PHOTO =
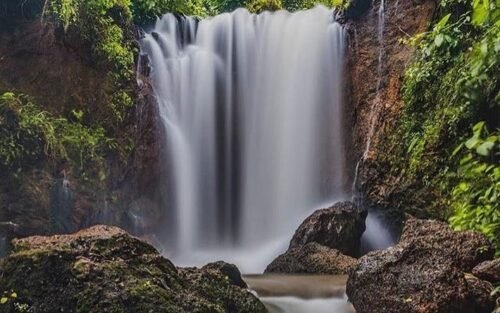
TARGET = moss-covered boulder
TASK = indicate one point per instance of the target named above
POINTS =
(103, 269)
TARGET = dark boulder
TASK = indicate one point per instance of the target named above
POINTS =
(423, 273)
(338, 227)
(481, 292)
(103, 269)
(466, 248)
(312, 258)
(489, 271)
(228, 270)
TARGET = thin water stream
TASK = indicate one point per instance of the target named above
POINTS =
(376, 107)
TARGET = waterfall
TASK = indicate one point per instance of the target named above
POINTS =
(61, 206)
(251, 107)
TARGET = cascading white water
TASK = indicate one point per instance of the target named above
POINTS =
(252, 111)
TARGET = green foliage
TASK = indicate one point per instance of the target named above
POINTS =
(258, 6)
(293, 5)
(451, 85)
(476, 196)
(106, 27)
(29, 135)
(230, 5)
(146, 11)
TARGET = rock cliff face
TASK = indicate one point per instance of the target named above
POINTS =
(103, 269)
(379, 59)
(54, 67)
(38, 58)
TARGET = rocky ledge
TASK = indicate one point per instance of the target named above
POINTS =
(427, 271)
(327, 242)
(103, 269)
(312, 258)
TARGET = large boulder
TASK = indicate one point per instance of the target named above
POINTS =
(466, 248)
(230, 271)
(423, 273)
(312, 258)
(339, 227)
(489, 271)
(103, 269)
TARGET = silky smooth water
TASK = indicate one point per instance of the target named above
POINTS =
(301, 293)
(251, 107)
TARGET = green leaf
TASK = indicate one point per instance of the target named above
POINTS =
(457, 149)
(492, 138)
(472, 142)
(438, 41)
(4, 300)
(480, 12)
(478, 129)
(442, 23)
(485, 148)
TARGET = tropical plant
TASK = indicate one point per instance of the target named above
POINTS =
(258, 6)
(451, 84)
(476, 197)
(29, 135)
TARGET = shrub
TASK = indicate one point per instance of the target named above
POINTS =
(29, 135)
(476, 196)
(451, 85)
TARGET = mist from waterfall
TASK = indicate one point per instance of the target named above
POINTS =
(252, 112)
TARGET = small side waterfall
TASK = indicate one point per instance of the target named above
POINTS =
(252, 111)
(376, 105)
(376, 236)
(61, 206)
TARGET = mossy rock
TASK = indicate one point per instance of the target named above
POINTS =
(103, 269)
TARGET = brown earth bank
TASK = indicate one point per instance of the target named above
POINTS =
(104, 269)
